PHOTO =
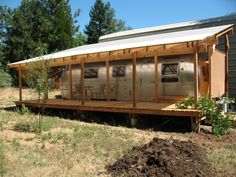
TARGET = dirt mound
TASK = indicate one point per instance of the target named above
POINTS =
(163, 158)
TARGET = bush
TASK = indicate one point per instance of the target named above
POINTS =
(25, 126)
(221, 122)
(23, 110)
(5, 79)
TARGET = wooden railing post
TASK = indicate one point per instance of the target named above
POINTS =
(196, 77)
(70, 82)
(107, 81)
(156, 77)
(226, 63)
(46, 80)
(82, 81)
(20, 82)
(134, 78)
(209, 52)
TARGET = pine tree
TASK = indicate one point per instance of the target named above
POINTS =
(39, 23)
(102, 21)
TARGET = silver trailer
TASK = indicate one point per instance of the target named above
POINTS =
(175, 78)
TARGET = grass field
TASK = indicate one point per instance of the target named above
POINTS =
(74, 148)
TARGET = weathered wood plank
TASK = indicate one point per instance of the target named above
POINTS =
(156, 77)
(134, 79)
(82, 91)
(116, 107)
(226, 63)
(70, 82)
(196, 77)
(107, 81)
(20, 83)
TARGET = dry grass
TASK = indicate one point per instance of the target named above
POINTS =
(74, 148)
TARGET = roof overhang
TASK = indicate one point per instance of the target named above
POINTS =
(181, 42)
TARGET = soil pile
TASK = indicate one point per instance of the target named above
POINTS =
(163, 158)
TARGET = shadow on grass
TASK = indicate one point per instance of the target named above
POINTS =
(144, 122)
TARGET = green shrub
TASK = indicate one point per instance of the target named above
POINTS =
(25, 126)
(5, 79)
(221, 122)
(185, 104)
(23, 110)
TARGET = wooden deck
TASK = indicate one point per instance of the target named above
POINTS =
(150, 108)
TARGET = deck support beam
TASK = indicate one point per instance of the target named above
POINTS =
(209, 52)
(20, 83)
(226, 63)
(107, 81)
(195, 124)
(156, 77)
(70, 82)
(82, 82)
(196, 77)
(134, 78)
(133, 120)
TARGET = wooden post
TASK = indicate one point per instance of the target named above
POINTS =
(46, 84)
(20, 83)
(70, 83)
(195, 124)
(195, 77)
(209, 52)
(156, 77)
(82, 81)
(134, 79)
(107, 81)
(226, 63)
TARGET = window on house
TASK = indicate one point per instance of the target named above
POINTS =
(169, 69)
(118, 71)
(90, 73)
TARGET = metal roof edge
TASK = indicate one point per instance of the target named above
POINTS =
(165, 27)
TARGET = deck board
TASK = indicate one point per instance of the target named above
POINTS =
(115, 106)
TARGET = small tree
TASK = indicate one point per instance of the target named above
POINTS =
(37, 79)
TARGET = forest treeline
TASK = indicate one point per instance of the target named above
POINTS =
(49, 26)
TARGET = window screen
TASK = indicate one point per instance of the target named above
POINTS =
(90, 73)
(118, 71)
(169, 69)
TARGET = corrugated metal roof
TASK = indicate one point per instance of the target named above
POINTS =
(151, 40)
(162, 28)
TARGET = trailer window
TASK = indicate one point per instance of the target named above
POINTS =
(169, 69)
(90, 73)
(118, 71)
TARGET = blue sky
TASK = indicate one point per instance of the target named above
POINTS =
(146, 13)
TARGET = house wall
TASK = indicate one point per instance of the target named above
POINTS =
(231, 19)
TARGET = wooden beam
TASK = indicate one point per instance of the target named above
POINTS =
(226, 63)
(209, 52)
(46, 84)
(134, 78)
(20, 83)
(195, 77)
(228, 31)
(173, 49)
(82, 82)
(70, 82)
(107, 81)
(156, 77)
